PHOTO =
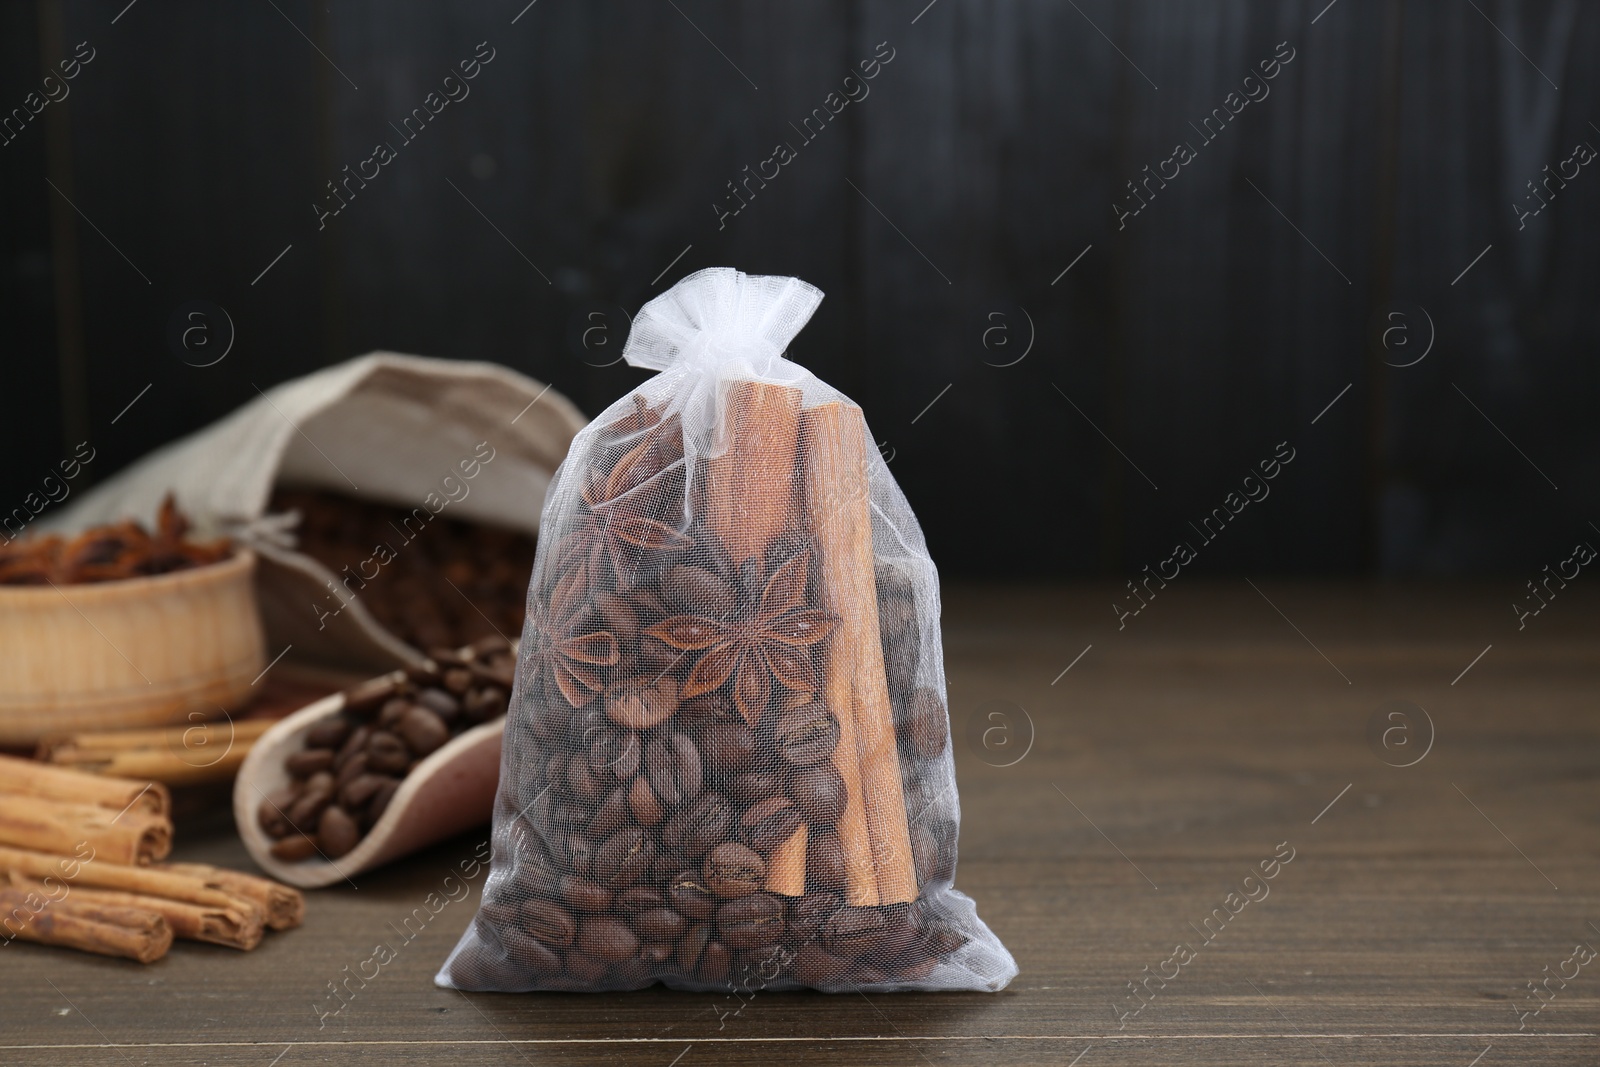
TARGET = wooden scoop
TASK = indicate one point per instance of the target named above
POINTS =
(451, 790)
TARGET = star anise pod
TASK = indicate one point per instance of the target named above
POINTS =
(562, 647)
(621, 512)
(764, 639)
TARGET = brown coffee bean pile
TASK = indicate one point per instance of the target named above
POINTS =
(352, 764)
(644, 855)
(412, 595)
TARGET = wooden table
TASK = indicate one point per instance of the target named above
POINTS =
(1217, 728)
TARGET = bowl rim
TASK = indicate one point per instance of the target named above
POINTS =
(242, 559)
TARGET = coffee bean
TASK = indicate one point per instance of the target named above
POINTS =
(423, 730)
(329, 733)
(642, 702)
(316, 795)
(386, 753)
(272, 814)
(642, 801)
(583, 783)
(660, 924)
(690, 895)
(715, 961)
(294, 849)
(673, 766)
(574, 853)
(687, 958)
(638, 898)
(585, 971)
(359, 790)
(726, 747)
(607, 939)
(585, 895)
(350, 770)
(817, 967)
(618, 614)
(705, 823)
(707, 707)
(751, 921)
(805, 735)
(732, 870)
(893, 583)
(623, 858)
(356, 742)
(808, 913)
(370, 695)
(900, 661)
(749, 788)
(615, 752)
(337, 832)
(380, 802)
(550, 923)
(818, 791)
(481, 705)
(902, 928)
(925, 728)
(825, 863)
(581, 723)
(697, 591)
(423, 673)
(531, 956)
(924, 853)
(392, 712)
(896, 618)
(441, 703)
(456, 680)
(851, 932)
(612, 815)
(770, 823)
(309, 761)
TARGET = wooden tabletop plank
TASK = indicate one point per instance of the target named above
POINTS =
(1177, 754)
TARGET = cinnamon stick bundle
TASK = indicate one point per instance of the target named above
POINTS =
(205, 752)
(282, 907)
(131, 837)
(31, 778)
(28, 912)
(150, 881)
(233, 926)
(873, 832)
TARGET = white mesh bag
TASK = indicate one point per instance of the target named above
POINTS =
(727, 761)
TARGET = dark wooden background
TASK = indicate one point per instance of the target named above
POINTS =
(986, 158)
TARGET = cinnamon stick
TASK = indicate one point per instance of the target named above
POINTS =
(233, 926)
(826, 456)
(31, 914)
(131, 837)
(857, 690)
(170, 766)
(194, 738)
(282, 907)
(149, 881)
(749, 489)
(31, 778)
(786, 868)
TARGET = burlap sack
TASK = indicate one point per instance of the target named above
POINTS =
(470, 441)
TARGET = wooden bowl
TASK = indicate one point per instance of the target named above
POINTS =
(451, 790)
(136, 652)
